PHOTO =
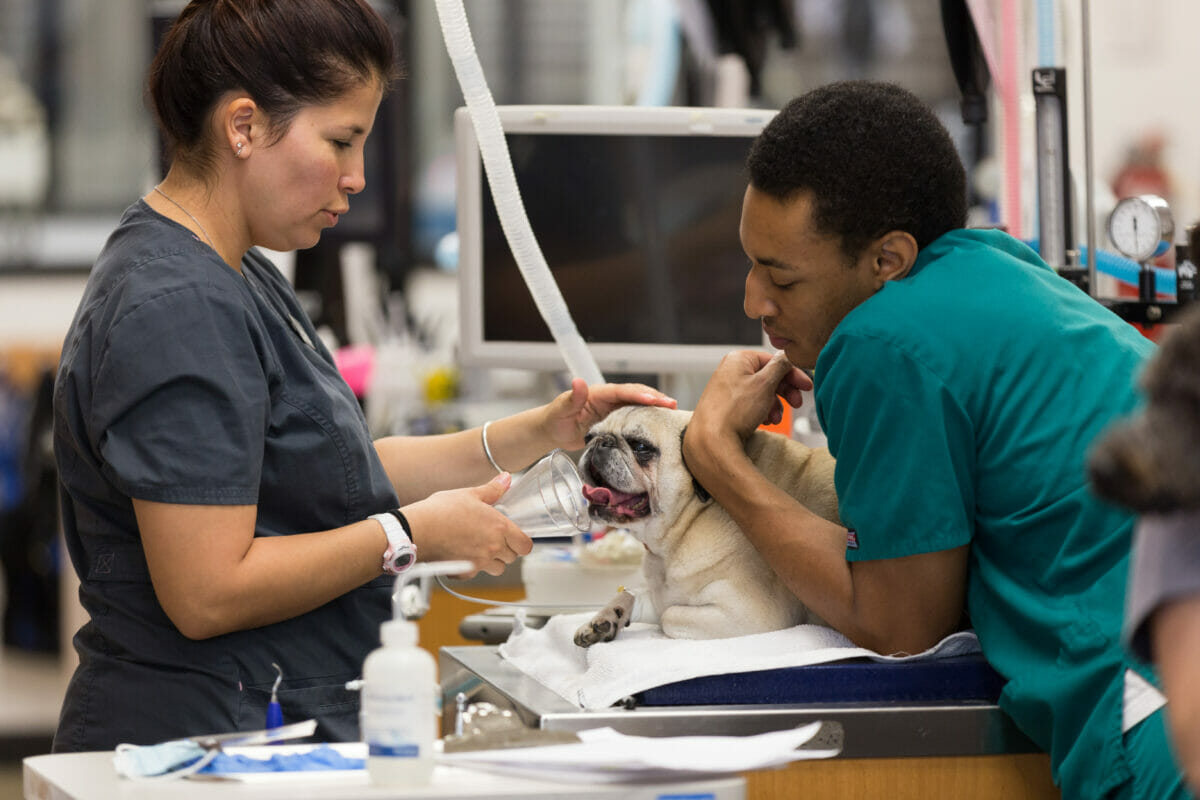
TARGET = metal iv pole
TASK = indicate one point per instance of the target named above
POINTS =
(1089, 192)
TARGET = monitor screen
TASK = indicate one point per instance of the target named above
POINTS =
(636, 211)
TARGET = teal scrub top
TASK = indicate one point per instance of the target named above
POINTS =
(960, 403)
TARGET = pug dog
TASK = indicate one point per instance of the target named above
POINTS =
(703, 577)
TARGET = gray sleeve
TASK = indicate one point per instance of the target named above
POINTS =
(1165, 566)
(180, 403)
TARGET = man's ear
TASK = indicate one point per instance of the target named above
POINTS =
(893, 255)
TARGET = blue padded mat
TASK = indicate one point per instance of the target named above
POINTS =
(960, 678)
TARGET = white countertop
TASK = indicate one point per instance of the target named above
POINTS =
(91, 776)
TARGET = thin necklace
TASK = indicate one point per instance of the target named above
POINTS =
(193, 219)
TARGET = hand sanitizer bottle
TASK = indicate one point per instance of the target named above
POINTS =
(398, 708)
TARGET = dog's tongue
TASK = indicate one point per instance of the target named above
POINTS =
(603, 496)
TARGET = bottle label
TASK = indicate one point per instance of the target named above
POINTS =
(395, 723)
(394, 751)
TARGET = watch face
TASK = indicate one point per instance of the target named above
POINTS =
(400, 558)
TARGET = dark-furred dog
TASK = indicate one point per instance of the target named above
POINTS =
(1151, 462)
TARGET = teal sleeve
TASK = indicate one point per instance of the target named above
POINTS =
(905, 450)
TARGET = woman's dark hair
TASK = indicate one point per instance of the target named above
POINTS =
(284, 54)
(874, 157)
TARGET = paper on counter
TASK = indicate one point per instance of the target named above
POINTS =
(604, 755)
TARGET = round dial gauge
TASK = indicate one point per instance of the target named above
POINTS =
(1141, 227)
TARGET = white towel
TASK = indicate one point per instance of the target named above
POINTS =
(642, 657)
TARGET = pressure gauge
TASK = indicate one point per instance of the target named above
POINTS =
(1142, 227)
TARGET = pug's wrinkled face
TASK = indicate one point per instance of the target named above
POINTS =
(633, 468)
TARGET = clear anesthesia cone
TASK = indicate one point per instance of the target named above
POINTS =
(547, 500)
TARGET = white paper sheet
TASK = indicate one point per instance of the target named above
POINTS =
(604, 755)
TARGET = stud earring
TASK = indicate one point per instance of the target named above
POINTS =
(240, 145)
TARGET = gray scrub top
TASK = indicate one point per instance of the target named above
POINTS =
(1166, 567)
(182, 381)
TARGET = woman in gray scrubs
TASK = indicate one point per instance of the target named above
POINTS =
(223, 503)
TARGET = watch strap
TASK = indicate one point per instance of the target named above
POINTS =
(401, 553)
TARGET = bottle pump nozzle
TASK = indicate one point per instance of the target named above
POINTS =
(410, 598)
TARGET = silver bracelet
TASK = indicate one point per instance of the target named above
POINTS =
(487, 451)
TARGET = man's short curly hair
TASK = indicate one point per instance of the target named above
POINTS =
(874, 157)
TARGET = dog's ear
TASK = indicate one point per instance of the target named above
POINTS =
(701, 493)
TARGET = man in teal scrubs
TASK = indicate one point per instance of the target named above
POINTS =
(960, 382)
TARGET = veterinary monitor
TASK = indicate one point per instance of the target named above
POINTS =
(636, 211)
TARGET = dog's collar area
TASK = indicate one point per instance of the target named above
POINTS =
(701, 493)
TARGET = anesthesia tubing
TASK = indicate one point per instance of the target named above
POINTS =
(509, 206)
(515, 604)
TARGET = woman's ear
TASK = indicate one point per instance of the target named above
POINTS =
(895, 252)
(238, 124)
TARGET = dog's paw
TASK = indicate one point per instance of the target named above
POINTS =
(607, 623)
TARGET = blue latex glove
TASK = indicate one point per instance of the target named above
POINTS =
(322, 757)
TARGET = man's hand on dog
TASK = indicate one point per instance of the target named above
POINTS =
(745, 391)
